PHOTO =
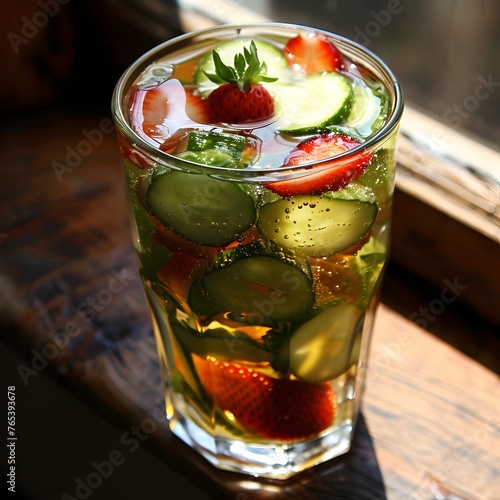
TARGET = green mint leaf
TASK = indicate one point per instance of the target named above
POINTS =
(267, 79)
(239, 65)
(225, 72)
(253, 50)
(247, 69)
(247, 55)
(252, 72)
(214, 78)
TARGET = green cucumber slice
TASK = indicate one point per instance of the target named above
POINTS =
(198, 301)
(353, 192)
(203, 140)
(199, 208)
(328, 101)
(369, 109)
(320, 350)
(210, 157)
(268, 54)
(222, 344)
(254, 286)
(316, 226)
(379, 175)
(217, 149)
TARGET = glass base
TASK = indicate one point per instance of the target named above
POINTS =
(277, 461)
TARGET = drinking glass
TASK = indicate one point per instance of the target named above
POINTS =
(262, 279)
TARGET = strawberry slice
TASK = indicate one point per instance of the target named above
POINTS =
(277, 409)
(131, 154)
(196, 109)
(331, 175)
(178, 273)
(313, 54)
(156, 114)
(176, 243)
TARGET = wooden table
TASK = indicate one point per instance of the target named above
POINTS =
(72, 304)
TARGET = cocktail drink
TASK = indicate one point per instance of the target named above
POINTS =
(260, 168)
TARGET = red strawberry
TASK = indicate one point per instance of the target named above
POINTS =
(247, 237)
(229, 104)
(178, 273)
(240, 97)
(156, 114)
(131, 154)
(277, 409)
(313, 54)
(176, 243)
(331, 175)
(196, 108)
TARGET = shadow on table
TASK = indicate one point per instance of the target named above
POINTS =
(356, 475)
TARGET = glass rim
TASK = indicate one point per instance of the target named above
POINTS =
(131, 72)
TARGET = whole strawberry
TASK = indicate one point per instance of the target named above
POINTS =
(240, 96)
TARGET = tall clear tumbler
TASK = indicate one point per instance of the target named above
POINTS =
(260, 163)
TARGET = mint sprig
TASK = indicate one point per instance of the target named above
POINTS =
(247, 69)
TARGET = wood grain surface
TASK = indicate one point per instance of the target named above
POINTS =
(72, 303)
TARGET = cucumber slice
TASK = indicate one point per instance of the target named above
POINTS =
(218, 149)
(198, 301)
(203, 140)
(369, 109)
(211, 157)
(379, 175)
(257, 287)
(268, 54)
(199, 208)
(222, 344)
(328, 102)
(317, 226)
(353, 192)
(320, 350)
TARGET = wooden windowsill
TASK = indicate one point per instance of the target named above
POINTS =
(450, 171)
